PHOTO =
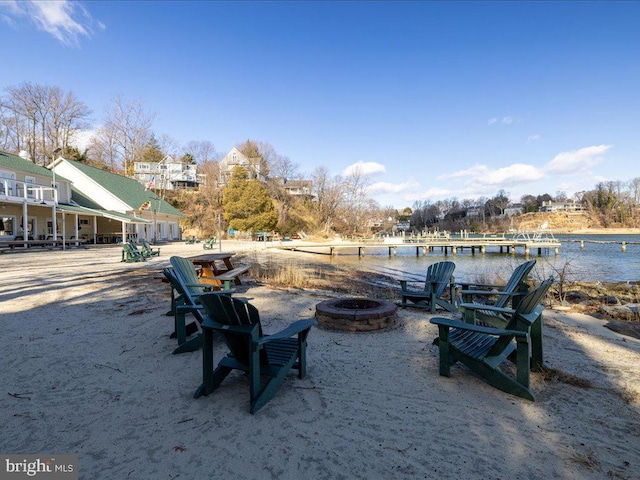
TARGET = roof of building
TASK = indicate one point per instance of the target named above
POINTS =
(15, 162)
(129, 190)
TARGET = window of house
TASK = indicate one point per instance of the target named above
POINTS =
(7, 183)
(29, 183)
(7, 226)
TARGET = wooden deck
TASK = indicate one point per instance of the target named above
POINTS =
(423, 246)
(49, 244)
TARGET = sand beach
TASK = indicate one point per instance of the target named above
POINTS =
(87, 369)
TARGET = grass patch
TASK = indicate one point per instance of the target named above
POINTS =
(296, 273)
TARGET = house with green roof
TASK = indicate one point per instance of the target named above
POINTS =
(29, 199)
(71, 200)
(127, 209)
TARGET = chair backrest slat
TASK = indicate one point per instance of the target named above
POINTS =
(530, 302)
(226, 310)
(440, 272)
(513, 284)
(185, 269)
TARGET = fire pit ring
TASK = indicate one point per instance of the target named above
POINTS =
(356, 314)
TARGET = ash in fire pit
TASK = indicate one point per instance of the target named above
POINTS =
(356, 314)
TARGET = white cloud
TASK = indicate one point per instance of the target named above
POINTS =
(516, 173)
(434, 193)
(364, 168)
(508, 120)
(578, 161)
(65, 20)
(475, 171)
(82, 139)
(533, 138)
(381, 188)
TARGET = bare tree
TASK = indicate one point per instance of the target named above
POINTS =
(40, 118)
(328, 191)
(202, 150)
(124, 133)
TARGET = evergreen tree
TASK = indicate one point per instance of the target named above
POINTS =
(247, 205)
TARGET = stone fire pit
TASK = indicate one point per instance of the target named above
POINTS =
(356, 314)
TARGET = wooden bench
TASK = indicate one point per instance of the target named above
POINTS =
(232, 275)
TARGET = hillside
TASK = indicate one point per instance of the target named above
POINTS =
(557, 221)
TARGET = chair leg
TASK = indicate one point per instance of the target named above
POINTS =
(210, 378)
(536, 345)
(443, 346)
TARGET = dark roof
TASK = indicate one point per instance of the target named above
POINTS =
(128, 190)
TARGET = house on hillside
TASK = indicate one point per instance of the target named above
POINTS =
(236, 158)
(564, 206)
(127, 210)
(168, 174)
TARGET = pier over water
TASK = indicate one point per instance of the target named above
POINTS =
(448, 243)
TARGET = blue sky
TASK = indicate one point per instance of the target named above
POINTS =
(431, 100)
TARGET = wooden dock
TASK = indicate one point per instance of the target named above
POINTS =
(423, 246)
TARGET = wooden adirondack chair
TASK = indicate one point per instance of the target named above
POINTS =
(271, 356)
(508, 294)
(186, 292)
(147, 251)
(484, 349)
(439, 277)
(131, 254)
(182, 304)
(209, 244)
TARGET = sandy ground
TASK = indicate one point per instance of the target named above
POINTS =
(87, 369)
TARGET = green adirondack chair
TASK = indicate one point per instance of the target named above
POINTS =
(147, 251)
(250, 350)
(484, 349)
(131, 254)
(185, 299)
(508, 295)
(439, 277)
(209, 244)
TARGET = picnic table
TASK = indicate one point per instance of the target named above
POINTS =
(218, 268)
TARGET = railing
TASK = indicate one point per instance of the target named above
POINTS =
(31, 192)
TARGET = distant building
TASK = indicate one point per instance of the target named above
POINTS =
(513, 210)
(474, 212)
(404, 226)
(168, 174)
(565, 206)
(298, 187)
(236, 158)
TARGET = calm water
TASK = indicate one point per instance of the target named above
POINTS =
(596, 262)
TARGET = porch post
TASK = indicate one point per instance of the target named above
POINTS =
(25, 221)
(95, 229)
(124, 232)
(64, 229)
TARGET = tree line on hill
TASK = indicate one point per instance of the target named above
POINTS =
(46, 121)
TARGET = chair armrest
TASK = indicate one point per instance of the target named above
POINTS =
(189, 308)
(491, 292)
(293, 329)
(244, 329)
(467, 286)
(491, 308)
(450, 323)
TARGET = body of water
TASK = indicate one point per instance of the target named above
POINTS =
(604, 262)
